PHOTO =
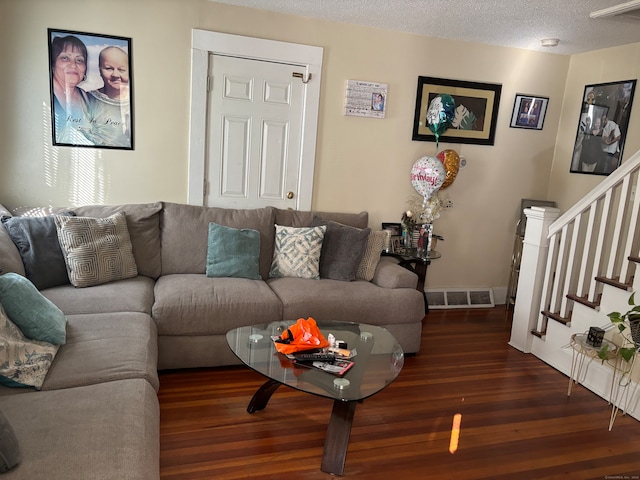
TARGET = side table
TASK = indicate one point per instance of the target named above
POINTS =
(581, 351)
(417, 265)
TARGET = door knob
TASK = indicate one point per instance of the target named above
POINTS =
(289, 195)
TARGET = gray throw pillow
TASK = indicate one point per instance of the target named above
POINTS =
(342, 250)
(9, 446)
(36, 238)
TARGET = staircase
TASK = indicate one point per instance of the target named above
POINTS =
(576, 268)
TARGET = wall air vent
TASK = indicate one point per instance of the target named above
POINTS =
(630, 10)
(441, 298)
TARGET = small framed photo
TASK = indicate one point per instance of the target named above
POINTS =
(91, 87)
(395, 238)
(529, 111)
(395, 228)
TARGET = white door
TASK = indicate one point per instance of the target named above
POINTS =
(254, 117)
(254, 133)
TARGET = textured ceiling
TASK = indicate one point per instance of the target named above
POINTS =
(509, 23)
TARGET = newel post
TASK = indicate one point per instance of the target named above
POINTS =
(532, 269)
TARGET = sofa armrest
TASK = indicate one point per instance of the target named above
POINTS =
(391, 275)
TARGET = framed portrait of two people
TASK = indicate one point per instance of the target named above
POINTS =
(91, 90)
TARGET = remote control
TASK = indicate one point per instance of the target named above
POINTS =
(314, 357)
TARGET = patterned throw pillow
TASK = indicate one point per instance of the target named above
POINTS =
(371, 257)
(96, 250)
(23, 362)
(297, 252)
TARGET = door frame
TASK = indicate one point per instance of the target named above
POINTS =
(204, 43)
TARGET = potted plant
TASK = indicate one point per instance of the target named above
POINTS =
(629, 319)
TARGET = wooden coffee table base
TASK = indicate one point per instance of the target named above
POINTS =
(338, 431)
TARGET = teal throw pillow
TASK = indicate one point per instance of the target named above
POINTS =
(233, 252)
(35, 315)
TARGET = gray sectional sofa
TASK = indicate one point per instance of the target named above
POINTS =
(97, 414)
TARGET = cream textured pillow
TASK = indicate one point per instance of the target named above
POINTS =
(96, 250)
(371, 257)
(23, 362)
(297, 252)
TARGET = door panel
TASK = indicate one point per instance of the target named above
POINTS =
(254, 133)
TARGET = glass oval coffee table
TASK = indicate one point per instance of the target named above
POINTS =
(378, 362)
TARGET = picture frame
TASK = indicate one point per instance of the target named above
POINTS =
(529, 111)
(395, 228)
(395, 239)
(602, 127)
(91, 87)
(476, 110)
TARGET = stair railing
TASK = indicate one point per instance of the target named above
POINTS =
(577, 252)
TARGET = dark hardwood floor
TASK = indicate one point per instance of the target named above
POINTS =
(517, 421)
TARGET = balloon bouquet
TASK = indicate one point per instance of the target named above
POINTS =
(430, 174)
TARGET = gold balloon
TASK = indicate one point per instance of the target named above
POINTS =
(451, 161)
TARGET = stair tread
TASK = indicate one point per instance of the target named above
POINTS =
(557, 317)
(615, 282)
(584, 300)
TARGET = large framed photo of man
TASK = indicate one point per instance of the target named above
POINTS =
(602, 127)
(91, 85)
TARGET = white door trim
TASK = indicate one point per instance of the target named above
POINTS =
(309, 57)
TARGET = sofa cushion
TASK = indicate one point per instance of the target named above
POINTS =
(342, 250)
(358, 301)
(185, 231)
(36, 316)
(105, 347)
(371, 257)
(143, 224)
(297, 252)
(129, 295)
(193, 304)
(108, 430)
(96, 250)
(297, 218)
(233, 252)
(9, 446)
(23, 362)
(36, 238)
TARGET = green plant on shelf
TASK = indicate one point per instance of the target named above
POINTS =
(630, 320)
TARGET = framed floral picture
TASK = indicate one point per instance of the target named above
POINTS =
(476, 110)
(91, 85)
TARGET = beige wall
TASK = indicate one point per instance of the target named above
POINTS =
(601, 66)
(362, 164)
